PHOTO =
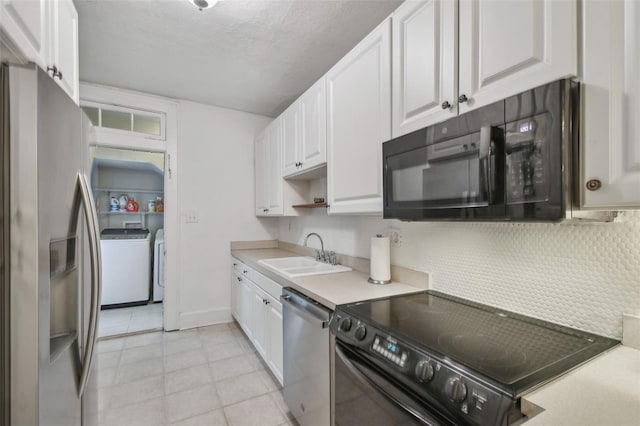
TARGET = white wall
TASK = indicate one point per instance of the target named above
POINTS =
(581, 275)
(216, 181)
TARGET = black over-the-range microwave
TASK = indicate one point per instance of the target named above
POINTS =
(508, 161)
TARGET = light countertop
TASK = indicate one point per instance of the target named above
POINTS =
(604, 391)
(328, 289)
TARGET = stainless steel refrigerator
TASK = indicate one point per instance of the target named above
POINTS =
(53, 256)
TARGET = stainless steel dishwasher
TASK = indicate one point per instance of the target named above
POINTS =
(306, 358)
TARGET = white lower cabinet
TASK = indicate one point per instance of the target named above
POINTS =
(255, 305)
(245, 304)
(274, 335)
(259, 328)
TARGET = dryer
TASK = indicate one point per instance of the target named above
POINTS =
(158, 267)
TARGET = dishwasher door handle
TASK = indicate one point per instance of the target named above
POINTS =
(286, 300)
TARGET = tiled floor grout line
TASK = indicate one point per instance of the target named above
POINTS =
(270, 384)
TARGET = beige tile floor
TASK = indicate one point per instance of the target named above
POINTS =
(114, 322)
(199, 377)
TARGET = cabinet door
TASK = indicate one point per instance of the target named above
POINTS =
(425, 68)
(261, 173)
(274, 170)
(313, 126)
(274, 331)
(24, 21)
(289, 123)
(358, 121)
(234, 287)
(64, 46)
(245, 306)
(507, 47)
(611, 100)
(259, 328)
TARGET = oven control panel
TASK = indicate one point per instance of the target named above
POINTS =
(436, 379)
(390, 349)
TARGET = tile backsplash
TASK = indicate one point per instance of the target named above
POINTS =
(583, 275)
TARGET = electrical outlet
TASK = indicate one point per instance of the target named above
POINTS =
(395, 236)
(191, 217)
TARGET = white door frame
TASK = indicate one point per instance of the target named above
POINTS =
(119, 139)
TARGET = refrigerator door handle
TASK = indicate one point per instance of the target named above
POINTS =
(84, 197)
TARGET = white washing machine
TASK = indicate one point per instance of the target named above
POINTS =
(158, 267)
(125, 265)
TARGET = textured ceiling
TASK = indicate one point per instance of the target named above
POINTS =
(255, 56)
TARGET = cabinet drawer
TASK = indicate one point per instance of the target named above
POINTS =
(236, 265)
(268, 285)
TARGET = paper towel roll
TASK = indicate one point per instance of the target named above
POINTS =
(380, 260)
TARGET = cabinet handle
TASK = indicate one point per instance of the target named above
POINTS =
(446, 105)
(239, 279)
(593, 184)
(462, 98)
(235, 264)
(265, 210)
(55, 72)
(244, 271)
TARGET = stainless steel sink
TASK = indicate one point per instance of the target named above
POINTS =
(302, 266)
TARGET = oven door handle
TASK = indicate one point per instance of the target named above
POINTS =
(364, 377)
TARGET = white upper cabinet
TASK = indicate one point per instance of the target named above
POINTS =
(507, 47)
(313, 129)
(64, 47)
(268, 169)
(304, 132)
(611, 104)
(45, 32)
(262, 172)
(358, 121)
(24, 21)
(274, 176)
(425, 64)
(290, 123)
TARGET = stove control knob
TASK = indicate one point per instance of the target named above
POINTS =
(455, 389)
(361, 332)
(424, 371)
(345, 325)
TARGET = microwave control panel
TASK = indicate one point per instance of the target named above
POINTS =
(527, 160)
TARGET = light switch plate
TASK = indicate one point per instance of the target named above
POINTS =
(191, 217)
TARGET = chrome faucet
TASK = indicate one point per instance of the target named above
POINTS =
(320, 254)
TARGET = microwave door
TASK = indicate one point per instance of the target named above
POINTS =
(453, 176)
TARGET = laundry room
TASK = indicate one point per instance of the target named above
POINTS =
(128, 189)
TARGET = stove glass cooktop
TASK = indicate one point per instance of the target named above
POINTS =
(512, 350)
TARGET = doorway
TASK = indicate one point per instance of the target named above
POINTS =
(128, 188)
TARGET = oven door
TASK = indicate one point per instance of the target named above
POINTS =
(366, 396)
(458, 178)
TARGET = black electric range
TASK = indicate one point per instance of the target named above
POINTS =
(459, 362)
